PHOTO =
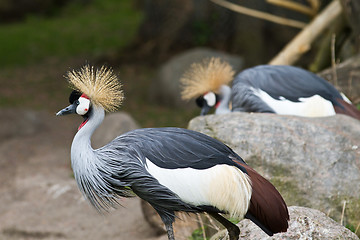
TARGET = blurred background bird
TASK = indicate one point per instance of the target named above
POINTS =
(173, 169)
(279, 89)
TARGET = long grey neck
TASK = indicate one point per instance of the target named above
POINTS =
(84, 161)
(82, 139)
(225, 94)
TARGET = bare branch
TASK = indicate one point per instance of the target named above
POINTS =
(259, 14)
(302, 42)
(298, 7)
(333, 59)
(315, 4)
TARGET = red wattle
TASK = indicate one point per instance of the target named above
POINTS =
(217, 104)
(82, 124)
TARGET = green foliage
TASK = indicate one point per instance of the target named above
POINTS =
(350, 227)
(100, 27)
(197, 234)
(234, 220)
(202, 32)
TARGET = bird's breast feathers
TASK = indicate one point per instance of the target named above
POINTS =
(222, 186)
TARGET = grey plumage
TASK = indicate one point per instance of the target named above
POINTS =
(278, 89)
(278, 81)
(244, 99)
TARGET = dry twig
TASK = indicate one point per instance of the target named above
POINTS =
(259, 14)
(343, 213)
(202, 225)
(213, 224)
(333, 60)
(298, 7)
(357, 228)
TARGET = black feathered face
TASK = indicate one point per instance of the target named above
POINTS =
(207, 101)
(79, 104)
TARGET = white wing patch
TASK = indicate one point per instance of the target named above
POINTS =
(314, 106)
(224, 187)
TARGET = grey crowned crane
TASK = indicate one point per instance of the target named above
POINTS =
(276, 89)
(173, 169)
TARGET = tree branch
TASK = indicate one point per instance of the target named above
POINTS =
(259, 14)
(303, 41)
(294, 6)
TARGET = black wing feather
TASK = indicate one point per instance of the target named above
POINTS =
(173, 148)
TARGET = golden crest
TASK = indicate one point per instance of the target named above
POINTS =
(101, 85)
(204, 77)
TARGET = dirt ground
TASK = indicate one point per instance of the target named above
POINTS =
(39, 198)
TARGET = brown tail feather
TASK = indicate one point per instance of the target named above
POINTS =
(347, 109)
(267, 208)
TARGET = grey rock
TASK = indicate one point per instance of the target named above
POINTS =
(305, 223)
(313, 162)
(113, 125)
(167, 87)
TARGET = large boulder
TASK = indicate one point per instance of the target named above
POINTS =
(166, 88)
(305, 223)
(313, 162)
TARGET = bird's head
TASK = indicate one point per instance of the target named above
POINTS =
(207, 101)
(80, 104)
(204, 80)
(93, 88)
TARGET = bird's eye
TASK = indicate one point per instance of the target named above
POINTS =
(200, 101)
(210, 99)
(83, 106)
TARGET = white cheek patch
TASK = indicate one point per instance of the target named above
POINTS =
(83, 107)
(210, 99)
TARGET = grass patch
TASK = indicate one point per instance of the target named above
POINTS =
(198, 234)
(91, 30)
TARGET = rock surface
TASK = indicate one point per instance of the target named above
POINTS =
(166, 87)
(313, 162)
(305, 223)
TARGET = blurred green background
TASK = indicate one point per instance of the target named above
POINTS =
(42, 42)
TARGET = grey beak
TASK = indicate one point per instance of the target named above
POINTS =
(68, 110)
(205, 109)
